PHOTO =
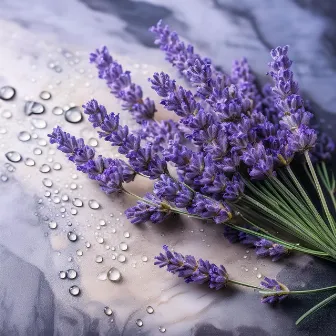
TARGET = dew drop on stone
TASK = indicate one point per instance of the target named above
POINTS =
(10, 167)
(102, 222)
(113, 274)
(47, 182)
(13, 156)
(56, 200)
(73, 211)
(52, 225)
(24, 136)
(73, 186)
(144, 258)
(123, 246)
(162, 329)
(93, 204)
(127, 234)
(73, 115)
(42, 142)
(72, 236)
(74, 176)
(45, 95)
(100, 240)
(93, 142)
(57, 110)
(79, 252)
(7, 92)
(3, 130)
(77, 202)
(139, 323)
(74, 290)
(32, 107)
(65, 198)
(108, 311)
(4, 178)
(102, 276)
(6, 114)
(99, 259)
(88, 244)
(62, 275)
(113, 230)
(121, 258)
(37, 151)
(38, 123)
(47, 193)
(259, 276)
(29, 162)
(71, 274)
(45, 168)
(150, 310)
(113, 256)
(57, 166)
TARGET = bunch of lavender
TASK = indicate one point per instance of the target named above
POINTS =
(232, 152)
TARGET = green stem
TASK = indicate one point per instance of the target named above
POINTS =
(243, 284)
(308, 291)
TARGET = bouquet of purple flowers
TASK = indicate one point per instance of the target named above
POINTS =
(232, 159)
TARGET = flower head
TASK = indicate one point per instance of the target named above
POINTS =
(275, 286)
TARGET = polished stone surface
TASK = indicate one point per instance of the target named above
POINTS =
(36, 37)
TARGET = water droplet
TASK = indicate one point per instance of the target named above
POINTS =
(127, 234)
(139, 323)
(13, 156)
(102, 276)
(57, 110)
(10, 167)
(150, 310)
(99, 259)
(113, 230)
(45, 168)
(93, 142)
(74, 176)
(102, 222)
(71, 274)
(32, 107)
(162, 329)
(108, 311)
(113, 274)
(65, 198)
(45, 95)
(57, 166)
(42, 142)
(38, 123)
(47, 193)
(73, 211)
(3, 130)
(100, 240)
(29, 162)
(88, 244)
(47, 182)
(72, 236)
(259, 276)
(93, 204)
(4, 178)
(74, 290)
(56, 200)
(79, 252)
(121, 258)
(73, 115)
(24, 136)
(52, 225)
(123, 246)
(7, 93)
(77, 202)
(62, 275)
(6, 114)
(144, 258)
(37, 151)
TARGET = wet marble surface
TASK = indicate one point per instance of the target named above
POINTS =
(39, 37)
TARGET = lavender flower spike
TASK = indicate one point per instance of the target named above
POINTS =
(200, 271)
(265, 248)
(275, 286)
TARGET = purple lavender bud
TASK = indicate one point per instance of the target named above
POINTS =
(324, 148)
(82, 155)
(303, 139)
(235, 236)
(97, 113)
(276, 286)
(102, 59)
(95, 167)
(111, 179)
(179, 154)
(265, 248)
(234, 188)
(162, 84)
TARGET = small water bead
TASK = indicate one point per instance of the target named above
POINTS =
(127, 234)
(73, 211)
(72, 236)
(102, 276)
(99, 259)
(113, 257)
(65, 198)
(123, 246)
(7, 92)
(121, 258)
(77, 202)
(100, 240)
(52, 225)
(108, 311)
(162, 329)
(32, 107)
(45, 168)
(74, 290)
(38, 123)
(62, 275)
(113, 230)
(79, 252)
(47, 182)
(73, 115)
(73, 186)
(57, 110)
(3, 130)
(113, 274)
(139, 323)
(29, 162)
(57, 166)
(56, 200)
(47, 193)
(71, 274)
(10, 167)
(102, 222)
(42, 142)
(24, 136)
(93, 204)
(88, 244)
(93, 142)
(150, 310)
(4, 178)
(13, 156)
(259, 276)
(37, 151)
(45, 95)
(144, 258)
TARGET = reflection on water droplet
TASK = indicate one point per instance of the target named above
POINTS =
(144, 258)
(32, 107)
(71, 274)
(38, 123)
(24, 136)
(162, 329)
(57, 110)
(259, 275)
(45, 95)
(47, 182)
(45, 168)
(93, 204)
(139, 323)
(37, 151)
(150, 310)
(99, 259)
(121, 258)
(93, 142)
(62, 275)
(73, 115)
(73, 211)
(7, 93)
(127, 234)
(52, 225)
(108, 311)
(113, 274)
(74, 290)
(72, 236)
(57, 166)
(77, 202)
(13, 156)
(123, 246)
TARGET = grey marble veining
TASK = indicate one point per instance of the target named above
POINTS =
(33, 300)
